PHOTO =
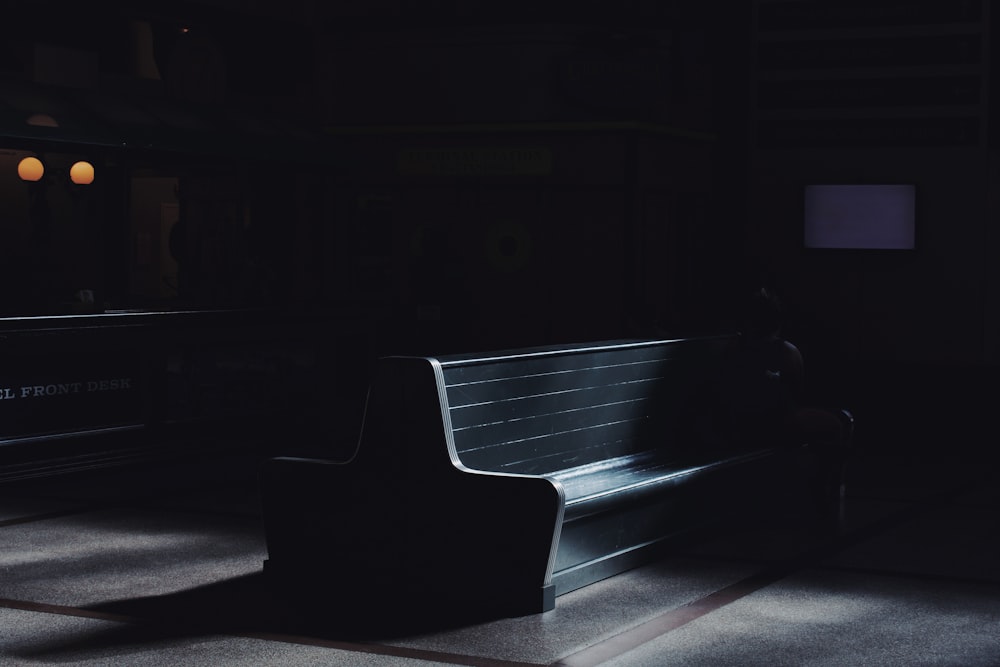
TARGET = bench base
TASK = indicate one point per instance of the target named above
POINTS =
(302, 585)
(608, 566)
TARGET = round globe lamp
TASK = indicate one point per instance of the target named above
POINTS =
(30, 169)
(82, 173)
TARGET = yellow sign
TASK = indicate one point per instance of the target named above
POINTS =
(475, 161)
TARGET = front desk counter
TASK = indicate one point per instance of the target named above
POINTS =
(78, 391)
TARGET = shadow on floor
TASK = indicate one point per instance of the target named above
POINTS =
(248, 606)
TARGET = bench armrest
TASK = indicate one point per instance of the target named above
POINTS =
(446, 535)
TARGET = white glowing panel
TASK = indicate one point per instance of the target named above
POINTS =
(878, 217)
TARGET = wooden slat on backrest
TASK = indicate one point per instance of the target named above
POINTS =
(550, 410)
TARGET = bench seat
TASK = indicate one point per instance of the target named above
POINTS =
(595, 487)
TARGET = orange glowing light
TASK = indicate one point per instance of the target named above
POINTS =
(42, 120)
(82, 173)
(30, 169)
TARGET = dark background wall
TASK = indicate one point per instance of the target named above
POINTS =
(520, 173)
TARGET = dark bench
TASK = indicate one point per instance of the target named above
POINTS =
(507, 479)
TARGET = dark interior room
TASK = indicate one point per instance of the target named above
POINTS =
(399, 332)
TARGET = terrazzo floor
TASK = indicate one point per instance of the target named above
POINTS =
(113, 569)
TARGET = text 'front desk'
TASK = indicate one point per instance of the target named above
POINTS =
(79, 391)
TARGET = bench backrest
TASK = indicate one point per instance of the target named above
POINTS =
(547, 410)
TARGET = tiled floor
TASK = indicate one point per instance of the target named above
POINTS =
(117, 570)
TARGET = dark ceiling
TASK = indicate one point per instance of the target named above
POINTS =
(270, 48)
